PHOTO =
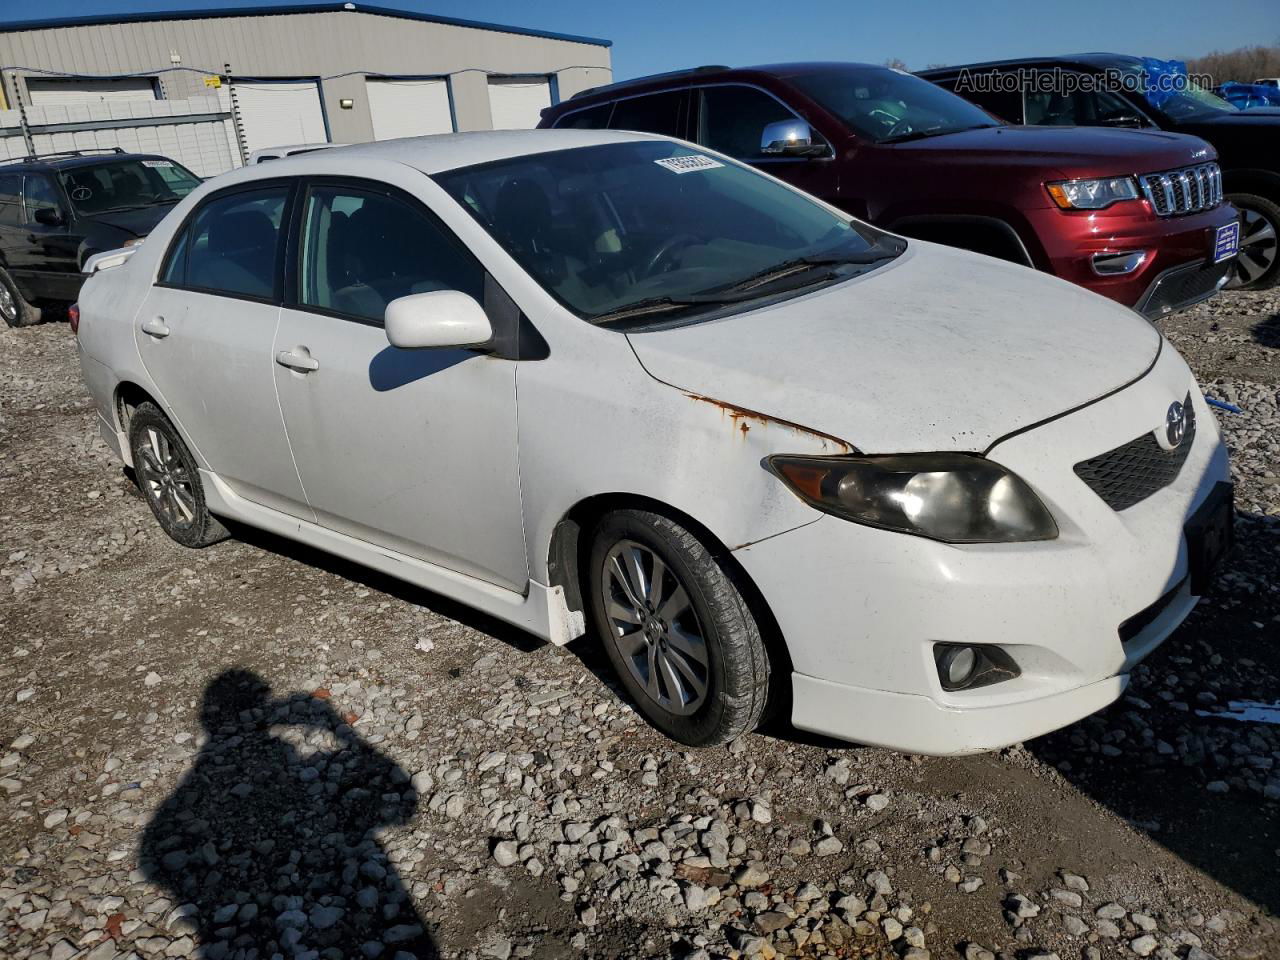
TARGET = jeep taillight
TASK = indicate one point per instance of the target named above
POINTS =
(73, 317)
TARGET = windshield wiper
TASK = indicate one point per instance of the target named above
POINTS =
(935, 132)
(649, 305)
(803, 264)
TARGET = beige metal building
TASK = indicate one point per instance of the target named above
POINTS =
(303, 73)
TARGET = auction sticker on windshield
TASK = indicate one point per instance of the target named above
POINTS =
(688, 164)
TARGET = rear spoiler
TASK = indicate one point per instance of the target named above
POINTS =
(107, 260)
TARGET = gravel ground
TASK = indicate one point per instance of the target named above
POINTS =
(257, 750)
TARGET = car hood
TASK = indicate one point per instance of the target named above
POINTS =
(1073, 151)
(939, 350)
(139, 222)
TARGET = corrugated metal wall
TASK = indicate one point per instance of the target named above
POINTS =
(201, 136)
(342, 46)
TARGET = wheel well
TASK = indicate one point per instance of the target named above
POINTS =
(1260, 182)
(129, 396)
(991, 237)
(570, 545)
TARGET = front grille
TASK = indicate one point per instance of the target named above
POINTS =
(1180, 288)
(1186, 190)
(1134, 471)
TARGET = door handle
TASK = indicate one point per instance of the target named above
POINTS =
(155, 327)
(296, 361)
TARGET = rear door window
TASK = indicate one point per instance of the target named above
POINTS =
(231, 245)
(10, 199)
(660, 113)
(732, 118)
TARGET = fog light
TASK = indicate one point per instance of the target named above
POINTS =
(956, 666)
(966, 666)
(1118, 264)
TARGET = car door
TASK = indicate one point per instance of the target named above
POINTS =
(12, 236)
(413, 450)
(731, 118)
(205, 333)
(50, 255)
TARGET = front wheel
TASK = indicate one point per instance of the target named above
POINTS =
(1257, 266)
(678, 631)
(169, 478)
(15, 309)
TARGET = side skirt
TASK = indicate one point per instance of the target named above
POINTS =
(542, 610)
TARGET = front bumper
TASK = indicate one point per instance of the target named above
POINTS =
(1072, 239)
(861, 609)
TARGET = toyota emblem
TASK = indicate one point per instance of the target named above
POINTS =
(1175, 424)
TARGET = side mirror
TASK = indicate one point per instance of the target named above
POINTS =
(441, 318)
(789, 138)
(50, 217)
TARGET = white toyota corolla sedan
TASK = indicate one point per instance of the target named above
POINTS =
(772, 458)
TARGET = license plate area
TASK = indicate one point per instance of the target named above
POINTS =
(1226, 242)
(1210, 534)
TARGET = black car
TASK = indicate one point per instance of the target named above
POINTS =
(57, 210)
(1108, 89)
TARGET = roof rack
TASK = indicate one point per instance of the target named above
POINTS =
(35, 157)
(634, 81)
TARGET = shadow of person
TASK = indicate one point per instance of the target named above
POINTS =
(269, 847)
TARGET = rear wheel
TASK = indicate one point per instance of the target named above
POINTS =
(170, 480)
(15, 309)
(677, 629)
(1257, 266)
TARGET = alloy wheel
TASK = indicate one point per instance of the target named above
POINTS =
(654, 627)
(166, 480)
(8, 306)
(1258, 249)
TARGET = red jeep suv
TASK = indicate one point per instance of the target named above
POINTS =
(898, 151)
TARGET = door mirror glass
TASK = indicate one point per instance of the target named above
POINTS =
(788, 138)
(50, 217)
(441, 318)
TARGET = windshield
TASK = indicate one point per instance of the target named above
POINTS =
(1167, 88)
(884, 105)
(653, 225)
(127, 184)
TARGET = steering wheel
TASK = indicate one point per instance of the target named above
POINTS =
(665, 250)
(894, 122)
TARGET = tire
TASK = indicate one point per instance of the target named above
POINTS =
(170, 481)
(15, 309)
(656, 654)
(1258, 265)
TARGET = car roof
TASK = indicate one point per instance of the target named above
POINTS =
(440, 152)
(1099, 61)
(68, 161)
(702, 74)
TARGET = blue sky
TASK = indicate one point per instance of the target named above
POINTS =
(650, 37)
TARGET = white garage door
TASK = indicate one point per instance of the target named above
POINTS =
(516, 103)
(409, 108)
(46, 91)
(279, 114)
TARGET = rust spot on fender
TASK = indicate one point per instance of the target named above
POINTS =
(742, 419)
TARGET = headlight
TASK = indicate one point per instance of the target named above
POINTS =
(952, 497)
(133, 243)
(1092, 194)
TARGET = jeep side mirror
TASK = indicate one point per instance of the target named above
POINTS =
(790, 138)
(50, 217)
